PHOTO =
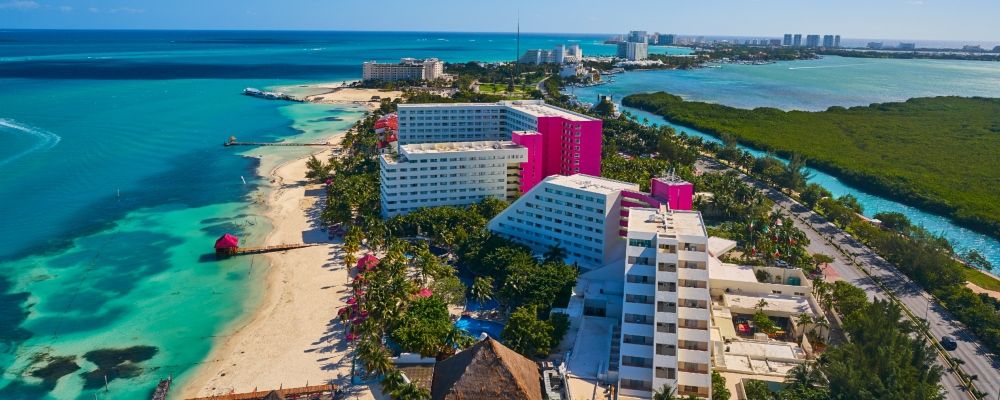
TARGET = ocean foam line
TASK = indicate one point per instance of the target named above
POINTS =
(46, 139)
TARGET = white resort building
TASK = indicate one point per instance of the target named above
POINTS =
(448, 174)
(456, 122)
(666, 314)
(408, 69)
(578, 213)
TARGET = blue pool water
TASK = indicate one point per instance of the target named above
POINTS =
(476, 327)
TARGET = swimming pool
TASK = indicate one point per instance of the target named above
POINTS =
(476, 327)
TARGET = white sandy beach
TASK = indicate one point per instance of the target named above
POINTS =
(292, 338)
(337, 93)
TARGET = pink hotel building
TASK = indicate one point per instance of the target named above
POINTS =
(558, 141)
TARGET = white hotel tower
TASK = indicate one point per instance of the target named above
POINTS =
(448, 174)
(665, 315)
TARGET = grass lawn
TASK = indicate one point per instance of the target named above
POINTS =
(982, 280)
(520, 91)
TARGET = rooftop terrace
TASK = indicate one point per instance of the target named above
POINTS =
(451, 147)
(591, 183)
(687, 223)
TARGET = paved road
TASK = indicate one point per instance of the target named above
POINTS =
(823, 235)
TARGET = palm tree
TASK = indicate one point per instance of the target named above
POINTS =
(482, 288)
(350, 260)
(805, 376)
(376, 359)
(393, 381)
(665, 392)
(818, 324)
(555, 253)
(411, 391)
(457, 338)
(803, 320)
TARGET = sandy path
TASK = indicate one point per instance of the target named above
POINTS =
(292, 338)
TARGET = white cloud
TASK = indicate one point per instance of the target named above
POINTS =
(65, 8)
(20, 5)
(94, 9)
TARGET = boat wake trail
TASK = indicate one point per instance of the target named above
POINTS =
(44, 139)
(828, 66)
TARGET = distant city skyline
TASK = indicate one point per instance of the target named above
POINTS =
(910, 20)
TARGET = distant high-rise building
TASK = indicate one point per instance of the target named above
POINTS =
(788, 40)
(975, 48)
(874, 45)
(408, 69)
(637, 36)
(666, 39)
(828, 41)
(797, 41)
(633, 51)
(775, 42)
(812, 41)
(836, 41)
(559, 55)
(907, 46)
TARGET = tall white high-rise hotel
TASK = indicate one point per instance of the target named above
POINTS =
(666, 316)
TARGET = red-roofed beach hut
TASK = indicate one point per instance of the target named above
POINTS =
(227, 244)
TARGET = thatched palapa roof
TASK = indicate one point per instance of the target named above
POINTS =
(487, 370)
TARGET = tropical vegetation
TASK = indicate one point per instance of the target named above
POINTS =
(881, 147)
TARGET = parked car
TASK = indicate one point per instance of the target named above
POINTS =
(948, 343)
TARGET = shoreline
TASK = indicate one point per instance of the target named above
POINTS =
(341, 94)
(857, 184)
(290, 338)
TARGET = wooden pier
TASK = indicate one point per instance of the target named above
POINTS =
(325, 392)
(239, 251)
(227, 144)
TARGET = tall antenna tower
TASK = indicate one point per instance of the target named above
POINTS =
(517, 54)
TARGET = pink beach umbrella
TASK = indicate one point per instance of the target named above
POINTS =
(425, 292)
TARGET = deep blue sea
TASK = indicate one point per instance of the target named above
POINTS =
(115, 182)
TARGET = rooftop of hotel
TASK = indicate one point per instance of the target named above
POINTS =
(591, 183)
(537, 108)
(687, 223)
(447, 147)
(540, 109)
(781, 303)
(731, 272)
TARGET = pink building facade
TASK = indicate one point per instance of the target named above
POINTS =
(561, 146)
(677, 193)
(531, 171)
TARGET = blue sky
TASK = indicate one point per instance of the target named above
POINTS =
(908, 19)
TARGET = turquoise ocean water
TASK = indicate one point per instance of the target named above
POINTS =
(115, 182)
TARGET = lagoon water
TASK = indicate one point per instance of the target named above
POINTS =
(115, 182)
(816, 85)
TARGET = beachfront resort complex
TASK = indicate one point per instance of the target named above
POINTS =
(459, 154)
(655, 306)
(408, 69)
